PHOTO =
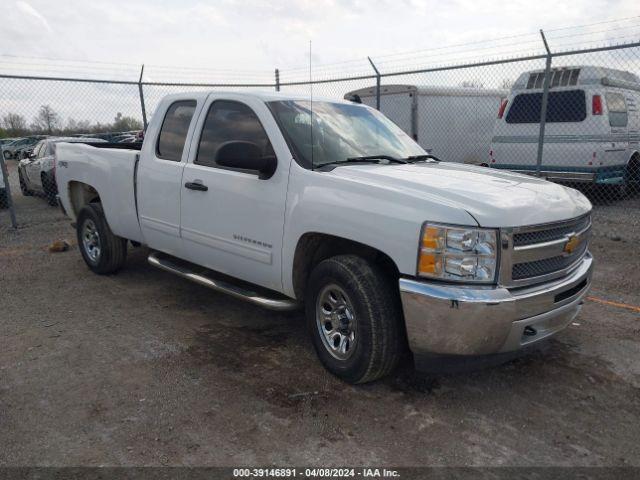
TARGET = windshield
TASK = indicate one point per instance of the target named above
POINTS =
(340, 131)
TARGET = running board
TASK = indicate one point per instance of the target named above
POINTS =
(165, 262)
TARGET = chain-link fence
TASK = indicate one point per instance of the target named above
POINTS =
(568, 116)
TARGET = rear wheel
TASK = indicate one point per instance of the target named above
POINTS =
(631, 181)
(102, 251)
(4, 199)
(354, 317)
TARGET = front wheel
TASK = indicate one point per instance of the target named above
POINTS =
(102, 251)
(354, 317)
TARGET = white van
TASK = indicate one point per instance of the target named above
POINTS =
(592, 127)
(438, 118)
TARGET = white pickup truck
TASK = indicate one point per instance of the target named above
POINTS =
(330, 205)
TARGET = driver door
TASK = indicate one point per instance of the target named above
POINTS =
(233, 222)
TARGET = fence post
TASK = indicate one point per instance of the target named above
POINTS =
(543, 107)
(7, 189)
(144, 111)
(277, 80)
(375, 69)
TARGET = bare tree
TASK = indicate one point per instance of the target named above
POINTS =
(75, 126)
(124, 124)
(47, 120)
(507, 83)
(475, 83)
(14, 124)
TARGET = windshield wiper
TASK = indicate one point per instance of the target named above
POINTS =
(418, 158)
(368, 158)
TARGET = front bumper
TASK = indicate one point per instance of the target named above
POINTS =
(446, 319)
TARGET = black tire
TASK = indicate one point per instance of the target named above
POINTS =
(112, 252)
(50, 190)
(631, 183)
(377, 315)
(23, 185)
(4, 200)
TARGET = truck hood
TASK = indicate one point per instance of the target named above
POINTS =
(495, 198)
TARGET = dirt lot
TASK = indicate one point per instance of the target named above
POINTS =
(144, 368)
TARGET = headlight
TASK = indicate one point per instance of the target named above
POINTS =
(458, 253)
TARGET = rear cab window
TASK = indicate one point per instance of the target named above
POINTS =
(173, 133)
(562, 106)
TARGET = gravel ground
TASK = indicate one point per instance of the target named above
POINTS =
(144, 368)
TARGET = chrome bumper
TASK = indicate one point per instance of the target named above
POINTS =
(472, 320)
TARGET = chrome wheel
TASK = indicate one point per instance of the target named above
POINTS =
(336, 322)
(91, 240)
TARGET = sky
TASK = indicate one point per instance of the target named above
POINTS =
(245, 40)
(252, 36)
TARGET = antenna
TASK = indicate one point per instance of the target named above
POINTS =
(311, 103)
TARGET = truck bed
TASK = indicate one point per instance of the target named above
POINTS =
(120, 146)
(110, 170)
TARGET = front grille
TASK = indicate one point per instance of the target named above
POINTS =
(552, 233)
(548, 265)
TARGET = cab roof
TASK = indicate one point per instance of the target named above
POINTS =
(264, 95)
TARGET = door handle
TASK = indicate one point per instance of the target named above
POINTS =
(196, 186)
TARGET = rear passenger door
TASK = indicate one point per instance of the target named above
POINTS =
(233, 223)
(616, 153)
(159, 177)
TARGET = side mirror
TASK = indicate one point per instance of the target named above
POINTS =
(246, 156)
(31, 156)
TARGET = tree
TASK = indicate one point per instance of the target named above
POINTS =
(74, 126)
(14, 124)
(475, 83)
(507, 83)
(125, 124)
(47, 120)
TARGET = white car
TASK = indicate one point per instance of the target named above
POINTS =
(592, 130)
(330, 205)
(37, 172)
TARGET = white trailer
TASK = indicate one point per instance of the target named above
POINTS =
(453, 123)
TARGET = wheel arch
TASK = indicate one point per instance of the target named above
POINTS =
(81, 194)
(314, 247)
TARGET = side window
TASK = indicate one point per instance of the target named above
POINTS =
(617, 108)
(173, 133)
(230, 121)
